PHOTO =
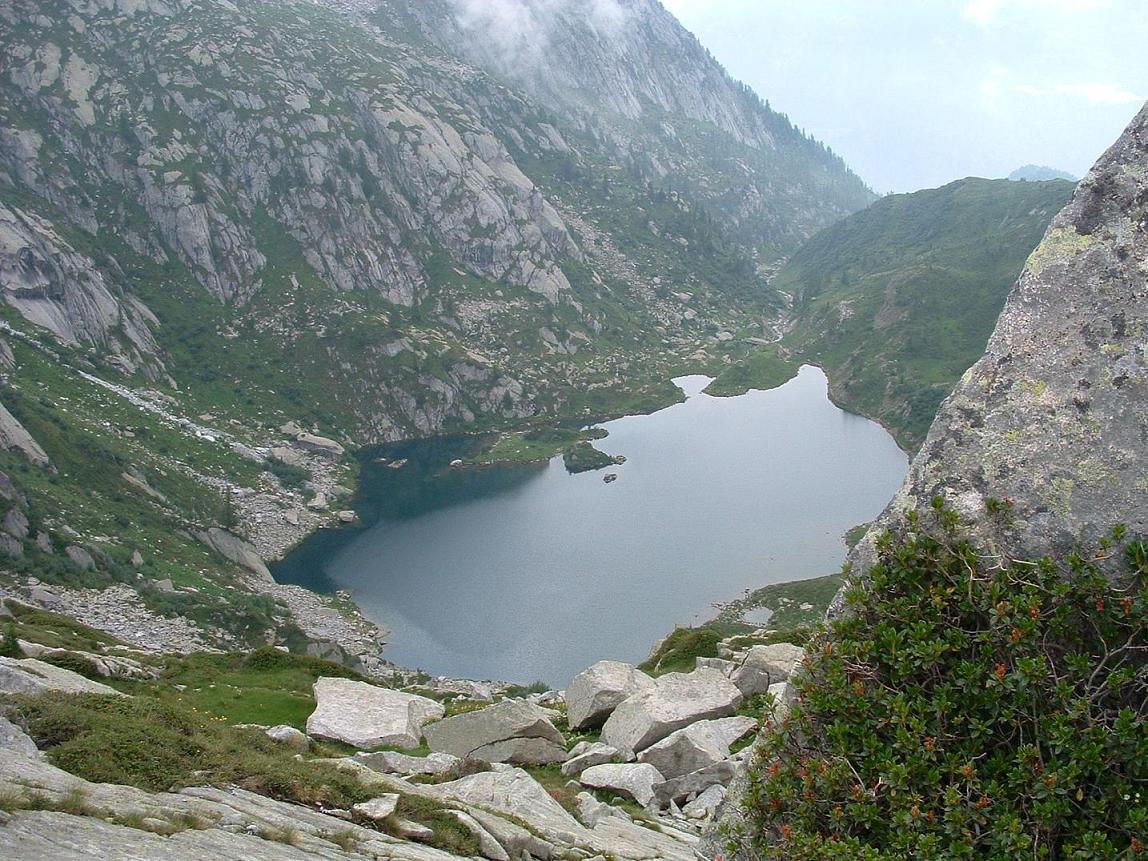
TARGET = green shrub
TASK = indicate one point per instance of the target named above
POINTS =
(519, 691)
(157, 746)
(680, 650)
(9, 646)
(76, 663)
(289, 475)
(269, 658)
(967, 709)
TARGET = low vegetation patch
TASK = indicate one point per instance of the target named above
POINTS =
(793, 605)
(968, 709)
(267, 686)
(55, 631)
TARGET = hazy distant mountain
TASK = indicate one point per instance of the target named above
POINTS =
(1040, 173)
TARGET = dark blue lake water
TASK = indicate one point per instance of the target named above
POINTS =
(528, 573)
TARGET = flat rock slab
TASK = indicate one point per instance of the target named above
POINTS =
(393, 762)
(675, 701)
(635, 780)
(379, 808)
(587, 754)
(511, 731)
(30, 676)
(596, 692)
(367, 716)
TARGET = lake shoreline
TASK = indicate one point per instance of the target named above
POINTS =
(565, 530)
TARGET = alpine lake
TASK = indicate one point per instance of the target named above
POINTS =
(526, 572)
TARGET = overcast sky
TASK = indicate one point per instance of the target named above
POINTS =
(916, 93)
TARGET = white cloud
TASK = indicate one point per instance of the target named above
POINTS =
(1106, 94)
(985, 12)
(1099, 93)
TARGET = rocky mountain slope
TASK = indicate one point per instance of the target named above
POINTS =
(1052, 417)
(238, 240)
(897, 301)
(627, 73)
(1036, 454)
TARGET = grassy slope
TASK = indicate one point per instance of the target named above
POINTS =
(898, 301)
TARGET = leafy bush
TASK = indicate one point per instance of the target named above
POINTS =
(965, 708)
(290, 476)
(679, 651)
(9, 646)
(76, 663)
(268, 658)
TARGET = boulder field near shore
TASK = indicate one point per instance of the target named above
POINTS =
(508, 771)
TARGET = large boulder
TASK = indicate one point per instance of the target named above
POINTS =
(1051, 417)
(696, 746)
(635, 780)
(763, 666)
(675, 701)
(320, 445)
(235, 549)
(30, 676)
(367, 716)
(597, 691)
(511, 731)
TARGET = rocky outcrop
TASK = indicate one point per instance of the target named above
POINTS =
(31, 676)
(392, 762)
(696, 746)
(13, 435)
(595, 692)
(1051, 419)
(634, 780)
(235, 549)
(675, 701)
(367, 716)
(511, 731)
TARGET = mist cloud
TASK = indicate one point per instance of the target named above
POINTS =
(521, 30)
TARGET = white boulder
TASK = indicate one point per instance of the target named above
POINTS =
(597, 691)
(367, 716)
(675, 701)
(511, 731)
(635, 780)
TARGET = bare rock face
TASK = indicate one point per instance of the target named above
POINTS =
(511, 731)
(393, 762)
(587, 754)
(597, 691)
(366, 716)
(14, 435)
(696, 746)
(675, 701)
(635, 780)
(235, 549)
(30, 676)
(1054, 416)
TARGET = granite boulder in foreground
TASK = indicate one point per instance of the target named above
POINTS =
(367, 716)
